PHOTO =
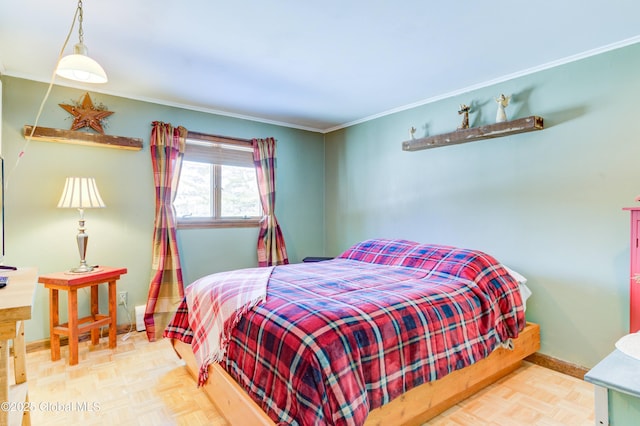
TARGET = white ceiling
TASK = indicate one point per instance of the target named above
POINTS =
(310, 65)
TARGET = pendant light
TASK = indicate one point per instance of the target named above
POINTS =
(79, 66)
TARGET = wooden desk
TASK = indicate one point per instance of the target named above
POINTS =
(16, 301)
(71, 282)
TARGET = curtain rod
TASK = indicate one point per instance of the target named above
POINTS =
(216, 138)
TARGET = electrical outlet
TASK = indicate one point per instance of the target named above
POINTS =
(122, 298)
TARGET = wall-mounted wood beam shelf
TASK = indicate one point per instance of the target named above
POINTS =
(496, 130)
(82, 138)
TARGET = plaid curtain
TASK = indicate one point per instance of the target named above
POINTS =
(166, 288)
(271, 247)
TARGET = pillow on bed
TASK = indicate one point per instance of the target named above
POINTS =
(515, 275)
(458, 262)
(464, 263)
(380, 251)
(525, 292)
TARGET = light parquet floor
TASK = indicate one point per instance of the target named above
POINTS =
(530, 396)
(138, 383)
(142, 383)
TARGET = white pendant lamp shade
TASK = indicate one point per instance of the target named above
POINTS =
(80, 67)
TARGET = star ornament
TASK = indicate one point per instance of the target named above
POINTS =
(86, 115)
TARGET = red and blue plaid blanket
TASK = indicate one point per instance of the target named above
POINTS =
(338, 338)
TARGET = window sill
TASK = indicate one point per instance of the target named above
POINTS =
(218, 223)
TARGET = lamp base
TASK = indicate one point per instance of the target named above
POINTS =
(82, 269)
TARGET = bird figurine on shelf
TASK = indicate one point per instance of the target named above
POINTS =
(502, 101)
(412, 132)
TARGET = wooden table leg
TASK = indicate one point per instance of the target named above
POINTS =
(95, 333)
(20, 367)
(73, 326)
(113, 314)
(54, 321)
(19, 355)
(4, 383)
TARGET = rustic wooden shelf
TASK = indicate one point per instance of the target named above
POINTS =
(496, 130)
(47, 134)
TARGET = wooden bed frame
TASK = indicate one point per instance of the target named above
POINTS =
(412, 408)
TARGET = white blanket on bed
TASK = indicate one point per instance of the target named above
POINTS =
(216, 303)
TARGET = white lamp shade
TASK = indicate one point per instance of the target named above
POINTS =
(80, 193)
(80, 67)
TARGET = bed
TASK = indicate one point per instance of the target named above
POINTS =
(389, 332)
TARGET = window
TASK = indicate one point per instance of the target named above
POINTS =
(217, 185)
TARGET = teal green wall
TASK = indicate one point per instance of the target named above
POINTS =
(38, 234)
(547, 203)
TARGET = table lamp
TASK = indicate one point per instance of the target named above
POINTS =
(81, 193)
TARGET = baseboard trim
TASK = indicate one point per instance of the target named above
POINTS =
(558, 365)
(39, 345)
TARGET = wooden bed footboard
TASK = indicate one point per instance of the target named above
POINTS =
(412, 408)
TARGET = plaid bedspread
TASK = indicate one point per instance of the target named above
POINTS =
(338, 338)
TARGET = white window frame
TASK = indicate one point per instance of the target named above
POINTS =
(218, 151)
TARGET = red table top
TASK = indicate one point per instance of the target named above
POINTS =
(99, 274)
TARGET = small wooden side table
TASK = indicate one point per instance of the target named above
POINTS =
(71, 282)
(16, 301)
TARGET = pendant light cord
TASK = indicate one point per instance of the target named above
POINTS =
(46, 96)
(79, 14)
